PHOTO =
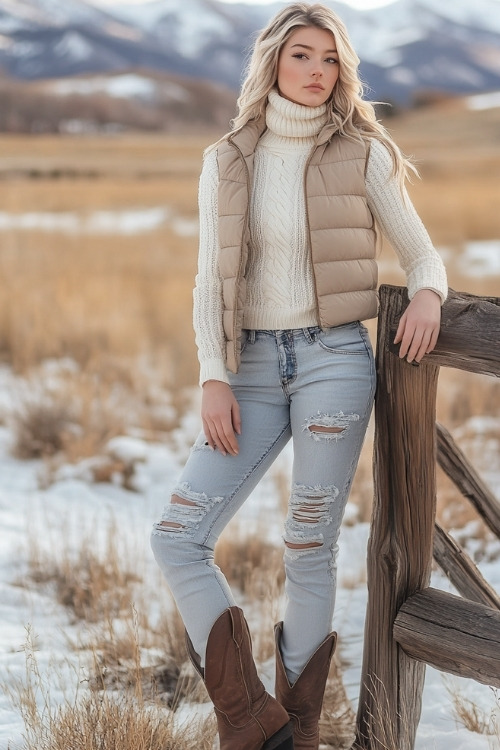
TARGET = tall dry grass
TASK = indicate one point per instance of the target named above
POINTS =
(110, 304)
(475, 718)
(92, 583)
(89, 295)
(100, 719)
(64, 411)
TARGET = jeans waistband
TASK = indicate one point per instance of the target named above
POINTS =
(310, 334)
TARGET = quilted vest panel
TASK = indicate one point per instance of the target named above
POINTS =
(341, 230)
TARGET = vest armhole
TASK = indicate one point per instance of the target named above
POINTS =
(368, 149)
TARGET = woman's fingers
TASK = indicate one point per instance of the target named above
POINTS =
(221, 417)
(236, 418)
(418, 329)
(419, 344)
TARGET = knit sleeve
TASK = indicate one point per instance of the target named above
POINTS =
(402, 226)
(207, 295)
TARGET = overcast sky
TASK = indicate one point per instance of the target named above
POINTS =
(354, 3)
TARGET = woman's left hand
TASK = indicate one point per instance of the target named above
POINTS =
(418, 328)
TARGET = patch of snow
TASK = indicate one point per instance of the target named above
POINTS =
(75, 46)
(120, 86)
(121, 222)
(193, 22)
(127, 449)
(484, 101)
(404, 76)
(53, 12)
(26, 49)
(391, 59)
(480, 259)
(440, 71)
(186, 227)
(126, 222)
(72, 508)
(481, 14)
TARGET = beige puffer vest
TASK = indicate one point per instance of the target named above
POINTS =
(341, 230)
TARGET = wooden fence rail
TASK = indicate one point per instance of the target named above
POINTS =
(409, 624)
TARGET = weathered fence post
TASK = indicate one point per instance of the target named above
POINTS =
(407, 623)
(404, 511)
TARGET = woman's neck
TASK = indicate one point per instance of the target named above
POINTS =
(290, 120)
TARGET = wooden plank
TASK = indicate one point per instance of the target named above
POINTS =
(470, 332)
(461, 571)
(452, 634)
(400, 545)
(455, 465)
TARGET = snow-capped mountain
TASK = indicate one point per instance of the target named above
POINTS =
(406, 48)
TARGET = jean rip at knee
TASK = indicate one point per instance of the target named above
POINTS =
(185, 512)
(308, 513)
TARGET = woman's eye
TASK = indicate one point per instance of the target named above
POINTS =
(299, 55)
(332, 60)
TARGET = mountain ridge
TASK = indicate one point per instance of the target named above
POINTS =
(408, 49)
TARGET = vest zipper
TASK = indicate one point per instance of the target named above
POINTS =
(308, 229)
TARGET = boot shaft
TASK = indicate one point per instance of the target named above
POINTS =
(304, 699)
(248, 718)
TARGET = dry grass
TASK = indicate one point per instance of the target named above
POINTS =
(254, 568)
(101, 720)
(113, 303)
(64, 412)
(337, 721)
(88, 295)
(250, 562)
(166, 677)
(473, 717)
(111, 603)
(92, 586)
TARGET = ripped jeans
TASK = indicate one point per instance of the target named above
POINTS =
(314, 386)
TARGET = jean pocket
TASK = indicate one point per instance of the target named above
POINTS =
(349, 339)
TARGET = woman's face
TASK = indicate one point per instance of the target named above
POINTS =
(308, 66)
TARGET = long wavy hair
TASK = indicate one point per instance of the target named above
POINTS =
(349, 113)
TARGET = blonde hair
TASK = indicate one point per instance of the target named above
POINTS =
(348, 113)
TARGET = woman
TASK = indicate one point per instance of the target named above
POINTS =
(289, 200)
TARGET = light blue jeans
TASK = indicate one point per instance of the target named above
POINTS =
(314, 386)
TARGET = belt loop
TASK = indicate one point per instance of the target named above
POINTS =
(310, 334)
(251, 336)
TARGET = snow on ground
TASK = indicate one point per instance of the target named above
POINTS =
(120, 86)
(72, 507)
(484, 101)
(128, 222)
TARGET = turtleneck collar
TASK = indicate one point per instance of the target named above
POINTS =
(290, 120)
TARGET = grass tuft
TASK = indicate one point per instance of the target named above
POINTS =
(101, 720)
(472, 716)
(92, 586)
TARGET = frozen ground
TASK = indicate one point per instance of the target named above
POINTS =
(71, 507)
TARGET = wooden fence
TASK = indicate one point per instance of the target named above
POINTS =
(408, 624)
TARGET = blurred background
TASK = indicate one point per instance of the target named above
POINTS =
(105, 109)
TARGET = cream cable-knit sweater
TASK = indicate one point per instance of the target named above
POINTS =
(280, 288)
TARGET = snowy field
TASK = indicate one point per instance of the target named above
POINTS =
(59, 514)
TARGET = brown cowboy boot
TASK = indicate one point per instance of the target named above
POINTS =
(304, 699)
(248, 718)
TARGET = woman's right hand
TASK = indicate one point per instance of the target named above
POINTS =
(220, 413)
